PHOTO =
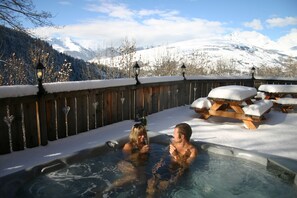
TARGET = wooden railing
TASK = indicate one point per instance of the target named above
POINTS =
(67, 109)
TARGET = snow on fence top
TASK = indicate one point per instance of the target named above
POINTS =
(27, 90)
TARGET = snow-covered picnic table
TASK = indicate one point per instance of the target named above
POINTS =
(283, 95)
(233, 101)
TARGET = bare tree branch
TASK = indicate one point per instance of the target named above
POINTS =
(13, 12)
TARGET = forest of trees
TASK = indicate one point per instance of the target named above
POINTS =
(20, 53)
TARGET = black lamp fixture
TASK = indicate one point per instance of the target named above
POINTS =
(40, 74)
(136, 70)
(183, 68)
(253, 72)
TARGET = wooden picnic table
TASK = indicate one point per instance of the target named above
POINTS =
(284, 96)
(278, 91)
(235, 102)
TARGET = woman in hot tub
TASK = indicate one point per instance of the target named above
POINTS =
(136, 157)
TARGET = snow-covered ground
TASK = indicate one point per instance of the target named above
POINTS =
(276, 135)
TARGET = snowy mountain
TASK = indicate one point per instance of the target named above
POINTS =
(243, 50)
(68, 46)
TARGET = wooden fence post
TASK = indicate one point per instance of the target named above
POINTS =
(41, 118)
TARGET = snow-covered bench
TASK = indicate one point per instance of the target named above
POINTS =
(281, 95)
(258, 109)
(286, 103)
(278, 91)
(201, 106)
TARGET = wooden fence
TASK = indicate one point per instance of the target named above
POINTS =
(31, 121)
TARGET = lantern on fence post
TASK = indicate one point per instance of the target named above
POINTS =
(136, 70)
(253, 76)
(183, 69)
(40, 74)
(253, 72)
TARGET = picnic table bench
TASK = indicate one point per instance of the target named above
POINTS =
(284, 96)
(235, 102)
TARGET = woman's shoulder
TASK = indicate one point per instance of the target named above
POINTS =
(128, 147)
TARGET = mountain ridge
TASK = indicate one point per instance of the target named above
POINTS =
(246, 49)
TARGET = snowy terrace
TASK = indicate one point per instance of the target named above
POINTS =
(77, 115)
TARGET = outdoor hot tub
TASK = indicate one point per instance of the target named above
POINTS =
(218, 171)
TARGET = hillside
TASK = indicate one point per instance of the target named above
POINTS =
(230, 50)
(241, 51)
(20, 52)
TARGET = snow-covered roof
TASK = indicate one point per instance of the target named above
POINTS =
(233, 92)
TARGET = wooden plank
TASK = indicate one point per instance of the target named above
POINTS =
(99, 111)
(156, 99)
(4, 135)
(107, 102)
(165, 97)
(42, 120)
(93, 105)
(132, 103)
(115, 100)
(16, 127)
(120, 103)
(147, 100)
(203, 113)
(187, 93)
(51, 119)
(71, 118)
(161, 98)
(139, 102)
(82, 113)
(126, 106)
(216, 106)
(123, 104)
(174, 96)
(30, 119)
(237, 108)
(61, 117)
(249, 124)
(228, 114)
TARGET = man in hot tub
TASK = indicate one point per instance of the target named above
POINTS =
(182, 154)
(180, 149)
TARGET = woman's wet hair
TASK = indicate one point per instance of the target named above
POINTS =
(137, 129)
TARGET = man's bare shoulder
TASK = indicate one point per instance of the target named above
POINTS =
(193, 149)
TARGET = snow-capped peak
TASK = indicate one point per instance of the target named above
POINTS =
(63, 44)
(68, 46)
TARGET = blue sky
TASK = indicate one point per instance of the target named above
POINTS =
(153, 22)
